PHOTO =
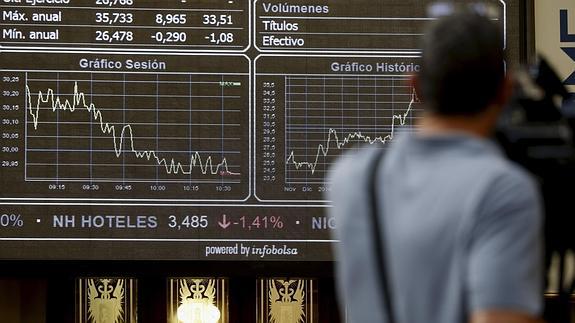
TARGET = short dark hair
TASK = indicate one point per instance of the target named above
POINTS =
(463, 66)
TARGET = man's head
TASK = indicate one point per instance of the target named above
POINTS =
(463, 69)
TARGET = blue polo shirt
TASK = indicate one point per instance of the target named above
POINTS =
(462, 226)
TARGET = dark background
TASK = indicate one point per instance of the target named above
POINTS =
(41, 288)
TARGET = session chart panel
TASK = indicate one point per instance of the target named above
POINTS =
(126, 24)
(125, 127)
(310, 110)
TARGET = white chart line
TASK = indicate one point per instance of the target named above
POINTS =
(335, 142)
(79, 102)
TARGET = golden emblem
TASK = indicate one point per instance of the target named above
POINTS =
(286, 302)
(199, 300)
(105, 301)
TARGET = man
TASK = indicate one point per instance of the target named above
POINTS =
(461, 225)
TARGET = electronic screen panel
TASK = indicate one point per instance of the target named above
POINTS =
(180, 124)
(323, 106)
(127, 25)
(392, 26)
(195, 129)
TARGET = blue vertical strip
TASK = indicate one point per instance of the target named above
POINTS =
(571, 52)
(566, 37)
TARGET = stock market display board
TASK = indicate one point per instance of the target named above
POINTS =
(196, 129)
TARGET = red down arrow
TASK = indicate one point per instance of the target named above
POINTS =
(224, 223)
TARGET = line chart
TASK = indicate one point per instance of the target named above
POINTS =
(118, 137)
(334, 141)
(306, 118)
(326, 116)
(164, 129)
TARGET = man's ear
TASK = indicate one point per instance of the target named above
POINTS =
(506, 90)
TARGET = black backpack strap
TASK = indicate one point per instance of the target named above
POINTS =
(379, 239)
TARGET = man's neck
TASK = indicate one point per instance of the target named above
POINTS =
(476, 126)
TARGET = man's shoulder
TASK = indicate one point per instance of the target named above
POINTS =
(511, 196)
(485, 165)
(508, 174)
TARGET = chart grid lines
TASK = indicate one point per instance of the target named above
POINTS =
(132, 109)
(157, 124)
(190, 128)
(123, 121)
(26, 135)
(57, 130)
(320, 128)
(286, 118)
(91, 129)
